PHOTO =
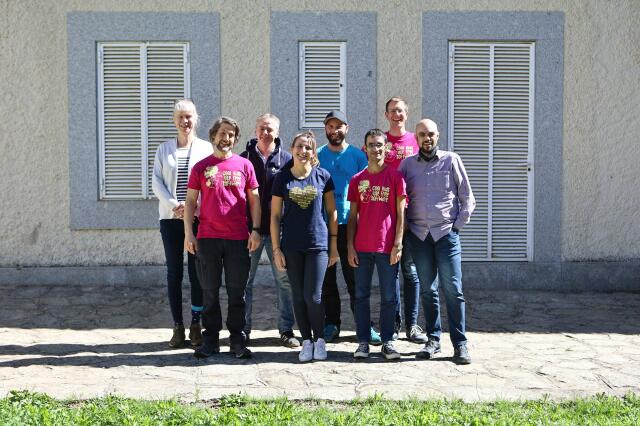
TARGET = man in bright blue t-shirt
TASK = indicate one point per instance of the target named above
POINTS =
(342, 161)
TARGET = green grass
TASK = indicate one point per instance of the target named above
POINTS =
(27, 408)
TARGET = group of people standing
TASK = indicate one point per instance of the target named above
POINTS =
(398, 201)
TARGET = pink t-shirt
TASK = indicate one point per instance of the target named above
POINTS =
(376, 195)
(399, 148)
(223, 185)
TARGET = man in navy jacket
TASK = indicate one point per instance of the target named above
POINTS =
(269, 157)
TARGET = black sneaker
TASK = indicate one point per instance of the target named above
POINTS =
(461, 354)
(240, 351)
(207, 349)
(389, 351)
(289, 340)
(362, 351)
(431, 348)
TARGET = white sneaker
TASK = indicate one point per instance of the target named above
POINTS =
(306, 354)
(320, 349)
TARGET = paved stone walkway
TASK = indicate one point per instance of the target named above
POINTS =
(86, 341)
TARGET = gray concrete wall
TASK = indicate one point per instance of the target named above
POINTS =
(601, 102)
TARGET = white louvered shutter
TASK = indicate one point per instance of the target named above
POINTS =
(137, 84)
(167, 71)
(491, 127)
(120, 106)
(322, 81)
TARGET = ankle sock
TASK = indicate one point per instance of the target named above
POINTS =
(196, 311)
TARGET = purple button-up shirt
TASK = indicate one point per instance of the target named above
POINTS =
(439, 194)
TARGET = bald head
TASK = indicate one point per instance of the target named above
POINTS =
(427, 135)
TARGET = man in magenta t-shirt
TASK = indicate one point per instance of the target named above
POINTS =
(374, 238)
(225, 182)
(402, 144)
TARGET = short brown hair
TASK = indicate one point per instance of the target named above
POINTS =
(396, 99)
(216, 126)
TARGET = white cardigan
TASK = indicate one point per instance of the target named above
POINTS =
(165, 173)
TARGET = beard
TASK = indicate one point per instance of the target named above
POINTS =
(335, 140)
(429, 151)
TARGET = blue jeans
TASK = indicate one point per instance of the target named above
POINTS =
(388, 295)
(306, 272)
(283, 289)
(410, 288)
(172, 232)
(441, 259)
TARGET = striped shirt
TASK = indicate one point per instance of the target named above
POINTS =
(182, 155)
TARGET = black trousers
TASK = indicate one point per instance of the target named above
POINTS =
(330, 294)
(232, 256)
(306, 271)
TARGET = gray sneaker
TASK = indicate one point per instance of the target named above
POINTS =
(362, 351)
(430, 349)
(416, 335)
(461, 354)
(389, 351)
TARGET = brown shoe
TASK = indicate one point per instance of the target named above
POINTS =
(177, 340)
(195, 334)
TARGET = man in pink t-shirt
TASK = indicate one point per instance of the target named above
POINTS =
(402, 144)
(374, 238)
(225, 182)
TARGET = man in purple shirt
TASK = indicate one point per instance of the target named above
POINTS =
(440, 204)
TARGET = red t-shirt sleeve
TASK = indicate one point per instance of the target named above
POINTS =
(352, 193)
(252, 181)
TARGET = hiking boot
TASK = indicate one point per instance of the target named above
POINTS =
(461, 354)
(362, 351)
(177, 340)
(306, 353)
(207, 349)
(288, 339)
(374, 338)
(320, 350)
(416, 335)
(431, 348)
(195, 334)
(389, 351)
(331, 332)
(240, 351)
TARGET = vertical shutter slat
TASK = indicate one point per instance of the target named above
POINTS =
(165, 83)
(322, 78)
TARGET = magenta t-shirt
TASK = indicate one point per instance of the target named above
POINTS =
(399, 148)
(223, 185)
(376, 196)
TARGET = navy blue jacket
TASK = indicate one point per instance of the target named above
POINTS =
(265, 174)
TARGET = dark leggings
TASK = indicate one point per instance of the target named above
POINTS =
(172, 231)
(306, 272)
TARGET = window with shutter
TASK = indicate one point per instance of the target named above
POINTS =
(322, 81)
(138, 83)
(491, 128)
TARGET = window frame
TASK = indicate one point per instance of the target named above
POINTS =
(84, 30)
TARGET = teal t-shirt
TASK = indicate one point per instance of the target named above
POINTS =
(342, 166)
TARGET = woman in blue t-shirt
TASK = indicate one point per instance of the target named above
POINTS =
(306, 247)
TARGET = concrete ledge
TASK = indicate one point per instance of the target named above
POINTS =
(605, 276)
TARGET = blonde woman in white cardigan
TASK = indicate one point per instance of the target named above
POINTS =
(173, 162)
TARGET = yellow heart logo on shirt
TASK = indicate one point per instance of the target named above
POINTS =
(303, 196)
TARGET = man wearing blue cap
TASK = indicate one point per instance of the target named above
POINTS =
(342, 161)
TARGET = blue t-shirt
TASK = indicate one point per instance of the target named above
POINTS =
(303, 226)
(342, 166)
